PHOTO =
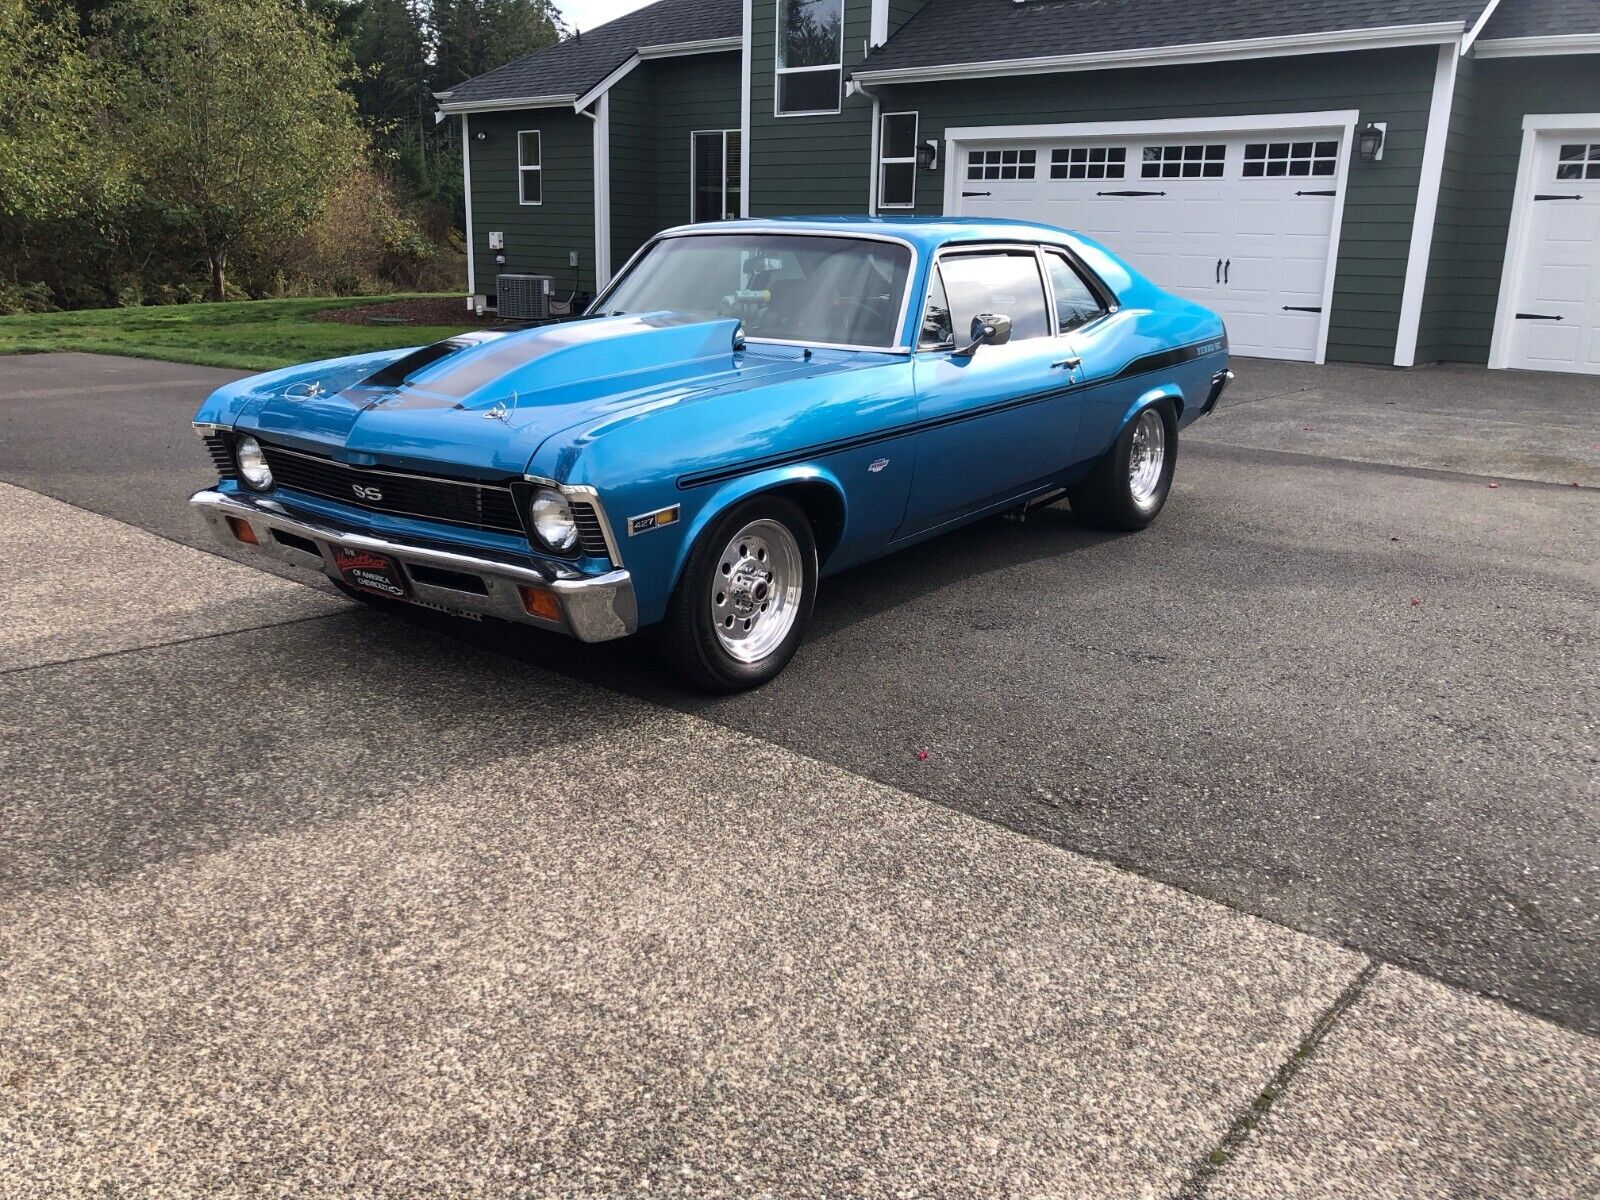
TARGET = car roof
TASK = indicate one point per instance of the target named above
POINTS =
(925, 233)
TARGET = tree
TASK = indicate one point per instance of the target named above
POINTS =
(54, 152)
(474, 36)
(239, 116)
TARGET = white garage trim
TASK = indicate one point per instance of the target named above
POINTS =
(1341, 119)
(1533, 125)
(1422, 223)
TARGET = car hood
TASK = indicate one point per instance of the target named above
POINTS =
(484, 402)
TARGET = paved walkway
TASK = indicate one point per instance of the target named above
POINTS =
(299, 902)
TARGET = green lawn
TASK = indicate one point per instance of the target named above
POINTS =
(251, 335)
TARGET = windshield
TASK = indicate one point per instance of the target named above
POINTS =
(784, 287)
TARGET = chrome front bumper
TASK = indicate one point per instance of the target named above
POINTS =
(595, 608)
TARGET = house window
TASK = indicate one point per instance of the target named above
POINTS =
(714, 175)
(1266, 159)
(530, 170)
(897, 160)
(1001, 164)
(1182, 162)
(1579, 160)
(1088, 162)
(810, 56)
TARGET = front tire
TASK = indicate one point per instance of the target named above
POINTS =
(1130, 484)
(741, 606)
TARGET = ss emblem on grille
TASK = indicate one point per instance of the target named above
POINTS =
(366, 493)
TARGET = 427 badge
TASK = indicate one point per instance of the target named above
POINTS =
(645, 522)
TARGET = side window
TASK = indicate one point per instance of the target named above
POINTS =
(1006, 284)
(1076, 303)
(530, 167)
(936, 327)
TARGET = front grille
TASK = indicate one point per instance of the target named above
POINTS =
(590, 534)
(482, 506)
(221, 455)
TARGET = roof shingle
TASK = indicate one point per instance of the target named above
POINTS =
(1543, 18)
(572, 67)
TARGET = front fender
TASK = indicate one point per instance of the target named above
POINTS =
(733, 491)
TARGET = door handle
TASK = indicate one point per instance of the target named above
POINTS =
(1219, 272)
(1227, 267)
(1071, 364)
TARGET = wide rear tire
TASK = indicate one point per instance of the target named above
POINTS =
(1130, 484)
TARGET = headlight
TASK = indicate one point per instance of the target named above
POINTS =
(253, 464)
(552, 520)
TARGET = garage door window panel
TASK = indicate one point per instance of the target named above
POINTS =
(996, 284)
(1578, 160)
(1088, 162)
(1183, 162)
(1076, 302)
(1002, 164)
(1271, 160)
(810, 56)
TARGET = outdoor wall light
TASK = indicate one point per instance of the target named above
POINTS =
(481, 136)
(928, 155)
(1370, 141)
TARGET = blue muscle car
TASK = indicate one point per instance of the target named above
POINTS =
(749, 406)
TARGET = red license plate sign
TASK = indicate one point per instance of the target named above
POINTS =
(373, 572)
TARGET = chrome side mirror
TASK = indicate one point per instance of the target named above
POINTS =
(988, 329)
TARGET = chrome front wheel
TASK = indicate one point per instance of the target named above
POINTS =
(756, 590)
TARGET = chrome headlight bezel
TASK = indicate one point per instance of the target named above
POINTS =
(551, 521)
(255, 472)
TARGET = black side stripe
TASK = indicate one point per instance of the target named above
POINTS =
(1146, 365)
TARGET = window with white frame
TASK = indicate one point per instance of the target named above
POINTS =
(530, 168)
(1579, 160)
(810, 67)
(1088, 162)
(897, 160)
(1182, 162)
(1272, 159)
(714, 175)
(1001, 164)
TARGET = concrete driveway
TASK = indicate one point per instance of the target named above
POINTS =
(299, 900)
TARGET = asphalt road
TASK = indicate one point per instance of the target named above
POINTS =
(1358, 697)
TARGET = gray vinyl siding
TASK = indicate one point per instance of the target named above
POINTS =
(808, 166)
(1386, 85)
(1464, 285)
(538, 237)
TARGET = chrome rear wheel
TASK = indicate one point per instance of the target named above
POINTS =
(1147, 459)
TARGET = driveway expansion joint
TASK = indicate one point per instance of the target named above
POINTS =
(1197, 1186)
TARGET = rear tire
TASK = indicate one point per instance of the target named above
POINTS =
(1130, 483)
(741, 605)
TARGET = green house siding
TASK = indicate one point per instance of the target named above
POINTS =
(1389, 85)
(698, 93)
(538, 237)
(807, 165)
(633, 164)
(1469, 251)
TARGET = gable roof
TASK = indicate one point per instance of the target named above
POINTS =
(572, 68)
(1542, 18)
(971, 36)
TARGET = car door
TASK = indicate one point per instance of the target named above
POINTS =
(1001, 421)
(1083, 308)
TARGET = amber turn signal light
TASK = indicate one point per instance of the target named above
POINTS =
(242, 531)
(541, 602)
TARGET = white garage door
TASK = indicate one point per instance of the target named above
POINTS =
(1556, 285)
(1242, 223)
